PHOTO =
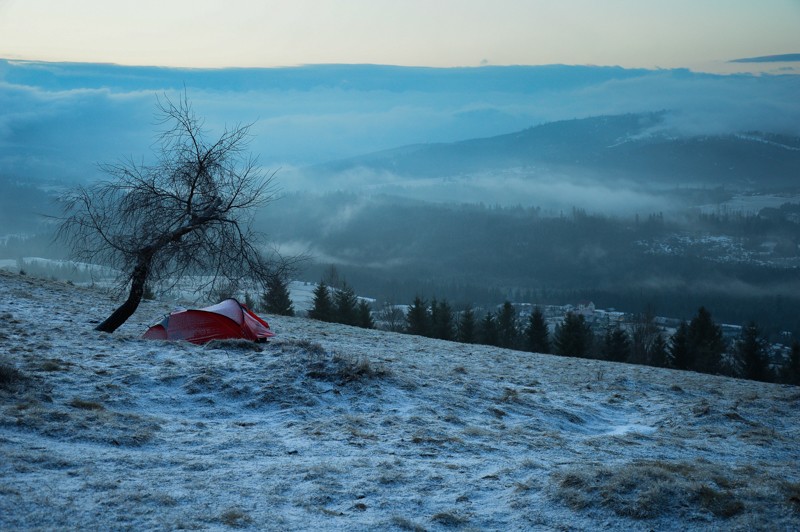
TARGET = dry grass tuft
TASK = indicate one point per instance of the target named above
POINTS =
(236, 344)
(10, 377)
(646, 489)
(82, 421)
(52, 365)
(722, 503)
(351, 369)
(235, 518)
(792, 492)
(345, 369)
(406, 524)
(85, 405)
(312, 348)
(450, 519)
(510, 395)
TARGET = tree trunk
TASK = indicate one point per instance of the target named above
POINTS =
(126, 310)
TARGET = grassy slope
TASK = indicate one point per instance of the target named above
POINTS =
(335, 427)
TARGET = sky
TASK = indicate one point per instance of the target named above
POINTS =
(701, 35)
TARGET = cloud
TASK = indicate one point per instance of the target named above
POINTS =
(313, 252)
(554, 190)
(60, 120)
(60, 135)
(699, 103)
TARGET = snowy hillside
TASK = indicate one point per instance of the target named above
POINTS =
(332, 427)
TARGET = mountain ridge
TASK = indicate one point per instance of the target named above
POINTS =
(635, 146)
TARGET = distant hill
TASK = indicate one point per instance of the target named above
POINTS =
(635, 147)
(24, 207)
(780, 58)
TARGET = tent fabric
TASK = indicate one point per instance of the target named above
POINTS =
(227, 319)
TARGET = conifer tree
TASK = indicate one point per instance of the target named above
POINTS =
(706, 344)
(466, 326)
(791, 373)
(323, 307)
(680, 356)
(751, 355)
(365, 315)
(417, 318)
(658, 354)
(537, 334)
(507, 326)
(346, 305)
(276, 299)
(573, 337)
(616, 344)
(441, 320)
(488, 330)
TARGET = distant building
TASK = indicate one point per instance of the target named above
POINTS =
(586, 308)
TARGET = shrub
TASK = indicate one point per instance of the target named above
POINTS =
(341, 368)
(85, 405)
(235, 518)
(10, 377)
(647, 489)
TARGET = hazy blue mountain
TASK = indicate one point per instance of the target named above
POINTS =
(779, 58)
(635, 147)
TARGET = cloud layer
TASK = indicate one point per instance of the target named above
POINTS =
(58, 121)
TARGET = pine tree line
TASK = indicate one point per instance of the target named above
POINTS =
(697, 345)
(340, 305)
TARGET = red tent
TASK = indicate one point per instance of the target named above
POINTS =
(227, 319)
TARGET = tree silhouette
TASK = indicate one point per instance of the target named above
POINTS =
(537, 334)
(645, 337)
(346, 305)
(706, 345)
(680, 355)
(488, 330)
(392, 316)
(791, 372)
(187, 214)
(658, 353)
(573, 337)
(616, 344)
(417, 318)
(276, 299)
(364, 315)
(322, 308)
(466, 326)
(751, 355)
(441, 320)
(507, 326)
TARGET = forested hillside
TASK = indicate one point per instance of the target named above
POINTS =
(742, 266)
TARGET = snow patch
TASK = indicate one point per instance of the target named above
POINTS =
(334, 427)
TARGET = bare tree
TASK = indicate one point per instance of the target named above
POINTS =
(391, 317)
(187, 214)
(645, 338)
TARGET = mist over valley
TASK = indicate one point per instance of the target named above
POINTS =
(631, 188)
